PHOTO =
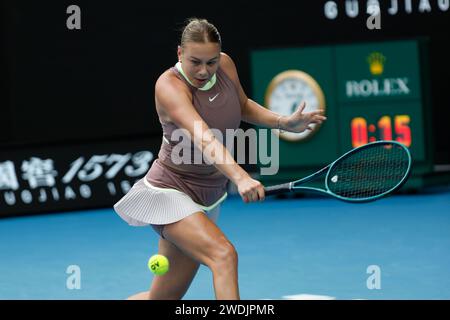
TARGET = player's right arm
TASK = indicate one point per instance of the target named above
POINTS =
(173, 101)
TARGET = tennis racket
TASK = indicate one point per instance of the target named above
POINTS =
(363, 174)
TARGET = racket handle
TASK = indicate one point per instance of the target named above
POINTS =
(278, 189)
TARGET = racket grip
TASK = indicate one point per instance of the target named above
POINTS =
(278, 189)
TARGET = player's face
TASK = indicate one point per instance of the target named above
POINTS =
(200, 61)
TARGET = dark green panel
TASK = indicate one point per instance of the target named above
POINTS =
(322, 147)
(383, 71)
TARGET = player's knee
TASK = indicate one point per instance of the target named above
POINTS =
(225, 255)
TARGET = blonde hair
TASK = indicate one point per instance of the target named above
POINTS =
(200, 30)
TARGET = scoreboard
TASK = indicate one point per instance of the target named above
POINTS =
(368, 91)
(381, 98)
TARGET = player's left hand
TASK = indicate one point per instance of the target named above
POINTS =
(299, 121)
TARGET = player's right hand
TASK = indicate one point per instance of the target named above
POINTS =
(250, 190)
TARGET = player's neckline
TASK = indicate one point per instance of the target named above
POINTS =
(206, 87)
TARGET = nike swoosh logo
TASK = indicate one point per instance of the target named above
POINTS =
(213, 98)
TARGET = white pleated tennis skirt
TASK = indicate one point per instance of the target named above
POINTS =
(145, 204)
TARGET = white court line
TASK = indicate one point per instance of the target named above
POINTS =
(306, 296)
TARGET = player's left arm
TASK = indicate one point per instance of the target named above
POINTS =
(252, 112)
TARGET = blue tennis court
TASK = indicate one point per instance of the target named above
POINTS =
(296, 248)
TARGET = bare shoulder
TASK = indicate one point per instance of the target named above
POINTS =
(169, 87)
(225, 60)
(168, 81)
(170, 92)
(228, 66)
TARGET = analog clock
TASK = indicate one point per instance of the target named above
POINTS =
(285, 93)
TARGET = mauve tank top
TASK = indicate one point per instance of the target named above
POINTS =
(219, 107)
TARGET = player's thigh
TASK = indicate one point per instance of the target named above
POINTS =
(199, 237)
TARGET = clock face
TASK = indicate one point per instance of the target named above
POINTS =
(286, 92)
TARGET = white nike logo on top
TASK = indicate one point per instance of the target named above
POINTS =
(213, 98)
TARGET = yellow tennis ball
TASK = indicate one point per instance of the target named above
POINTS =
(158, 264)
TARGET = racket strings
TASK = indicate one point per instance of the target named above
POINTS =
(370, 172)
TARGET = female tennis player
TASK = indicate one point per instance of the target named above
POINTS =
(181, 201)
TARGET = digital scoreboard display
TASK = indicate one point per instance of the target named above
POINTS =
(380, 96)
